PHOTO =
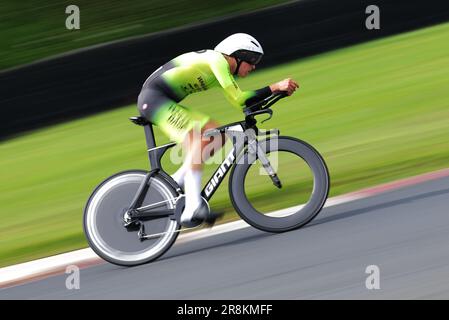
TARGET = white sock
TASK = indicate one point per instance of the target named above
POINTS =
(179, 175)
(192, 192)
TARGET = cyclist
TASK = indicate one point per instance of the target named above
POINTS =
(193, 72)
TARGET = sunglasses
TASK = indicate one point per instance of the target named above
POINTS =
(248, 56)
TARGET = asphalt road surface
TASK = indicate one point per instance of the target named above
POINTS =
(405, 233)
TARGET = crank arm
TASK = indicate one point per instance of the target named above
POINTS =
(142, 236)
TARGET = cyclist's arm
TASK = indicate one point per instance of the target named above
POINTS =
(233, 93)
(259, 95)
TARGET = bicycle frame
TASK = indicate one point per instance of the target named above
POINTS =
(241, 137)
(243, 133)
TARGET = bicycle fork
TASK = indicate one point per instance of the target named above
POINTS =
(255, 150)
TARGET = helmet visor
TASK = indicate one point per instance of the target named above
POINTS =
(248, 56)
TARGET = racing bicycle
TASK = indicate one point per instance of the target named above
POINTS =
(276, 184)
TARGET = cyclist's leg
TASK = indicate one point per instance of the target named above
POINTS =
(179, 123)
(183, 126)
(187, 126)
(202, 148)
(163, 112)
(207, 149)
(196, 144)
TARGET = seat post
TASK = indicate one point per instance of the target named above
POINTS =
(149, 135)
(153, 156)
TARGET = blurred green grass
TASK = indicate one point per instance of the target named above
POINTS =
(32, 30)
(376, 111)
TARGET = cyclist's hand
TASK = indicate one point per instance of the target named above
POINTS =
(287, 85)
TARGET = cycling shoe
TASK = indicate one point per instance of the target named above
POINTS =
(202, 215)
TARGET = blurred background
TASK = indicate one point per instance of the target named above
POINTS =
(373, 102)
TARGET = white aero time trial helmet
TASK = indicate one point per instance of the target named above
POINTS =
(241, 46)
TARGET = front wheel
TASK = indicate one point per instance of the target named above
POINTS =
(303, 189)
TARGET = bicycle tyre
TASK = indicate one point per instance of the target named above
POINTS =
(307, 213)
